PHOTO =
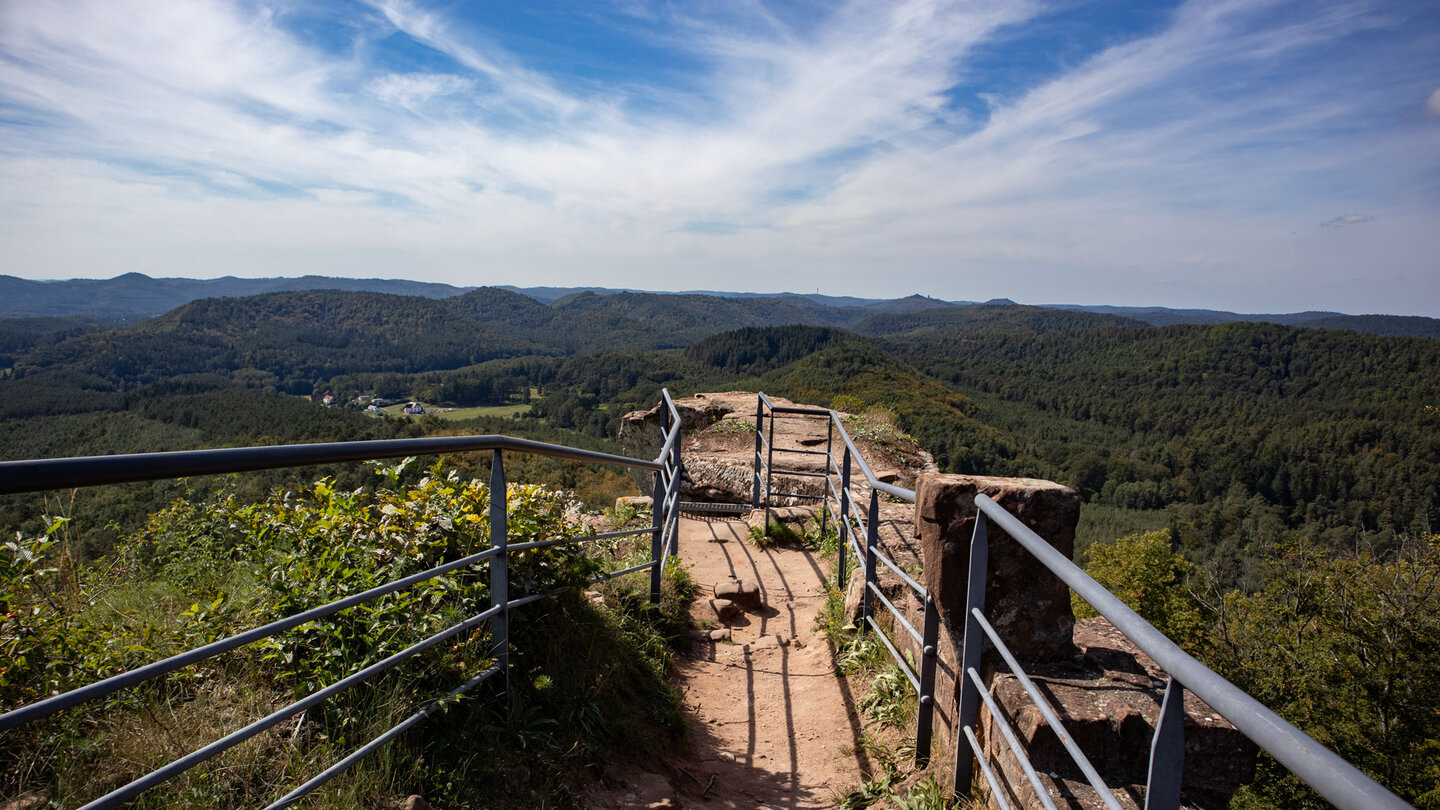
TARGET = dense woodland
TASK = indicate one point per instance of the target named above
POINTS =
(1251, 450)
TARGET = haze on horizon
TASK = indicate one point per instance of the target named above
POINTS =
(1245, 155)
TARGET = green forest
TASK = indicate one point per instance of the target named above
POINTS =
(1243, 482)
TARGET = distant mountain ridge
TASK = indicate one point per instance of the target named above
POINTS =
(134, 297)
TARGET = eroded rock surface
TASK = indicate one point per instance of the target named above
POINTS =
(718, 451)
(1108, 698)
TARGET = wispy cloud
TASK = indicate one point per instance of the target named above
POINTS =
(801, 149)
(1347, 219)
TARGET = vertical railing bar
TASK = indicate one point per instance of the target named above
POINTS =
(1167, 751)
(872, 538)
(969, 709)
(829, 463)
(929, 649)
(499, 570)
(759, 418)
(657, 551)
(848, 536)
(769, 469)
(673, 515)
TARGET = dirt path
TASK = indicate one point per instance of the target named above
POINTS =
(769, 720)
(770, 724)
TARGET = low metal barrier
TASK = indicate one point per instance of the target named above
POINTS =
(850, 527)
(45, 474)
(1332, 777)
(1341, 783)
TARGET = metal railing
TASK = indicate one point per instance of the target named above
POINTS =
(850, 527)
(45, 474)
(1341, 783)
(1336, 780)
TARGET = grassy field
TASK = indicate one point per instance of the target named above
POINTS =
(510, 410)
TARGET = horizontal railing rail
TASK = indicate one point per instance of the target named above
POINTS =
(1339, 782)
(36, 475)
(45, 474)
(1331, 776)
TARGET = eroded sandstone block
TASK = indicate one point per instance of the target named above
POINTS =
(1108, 698)
(1028, 606)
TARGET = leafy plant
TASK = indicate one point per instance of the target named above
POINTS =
(208, 568)
(776, 533)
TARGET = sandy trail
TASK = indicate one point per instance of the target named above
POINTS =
(769, 720)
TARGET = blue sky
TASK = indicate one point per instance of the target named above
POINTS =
(1256, 156)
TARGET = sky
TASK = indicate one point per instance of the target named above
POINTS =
(1248, 155)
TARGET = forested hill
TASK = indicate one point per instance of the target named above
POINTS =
(291, 337)
(134, 297)
(586, 322)
(940, 323)
(1293, 428)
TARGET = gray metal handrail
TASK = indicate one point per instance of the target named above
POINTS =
(1332, 777)
(870, 556)
(870, 478)
(42, 474)
(35, 475)
(1341, 783)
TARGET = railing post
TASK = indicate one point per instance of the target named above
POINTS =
(969, 710)
(872, 539)
(759, 417)
(769, 469)
(657, 503)
(829, 465)
(930, 651)
(673, 498)
(1167, 751)
(843, 527)
(499, 572)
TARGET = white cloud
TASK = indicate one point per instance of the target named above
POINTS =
(816, 156)
(413, 90)
(1347, 219)
(1432, 104)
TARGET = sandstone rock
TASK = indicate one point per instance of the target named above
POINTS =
(1108, 698)
(717, 430)
(1028, 606)
(635, 501)
(742, 592)
(723, 609)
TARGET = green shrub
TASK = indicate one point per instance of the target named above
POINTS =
(208, 569)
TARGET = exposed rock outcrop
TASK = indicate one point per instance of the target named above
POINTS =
(718, 431)
(1105, 691)
(1108, 698)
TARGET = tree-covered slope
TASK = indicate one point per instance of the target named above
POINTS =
(939, 323)
(296, 336)
(133, 296)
